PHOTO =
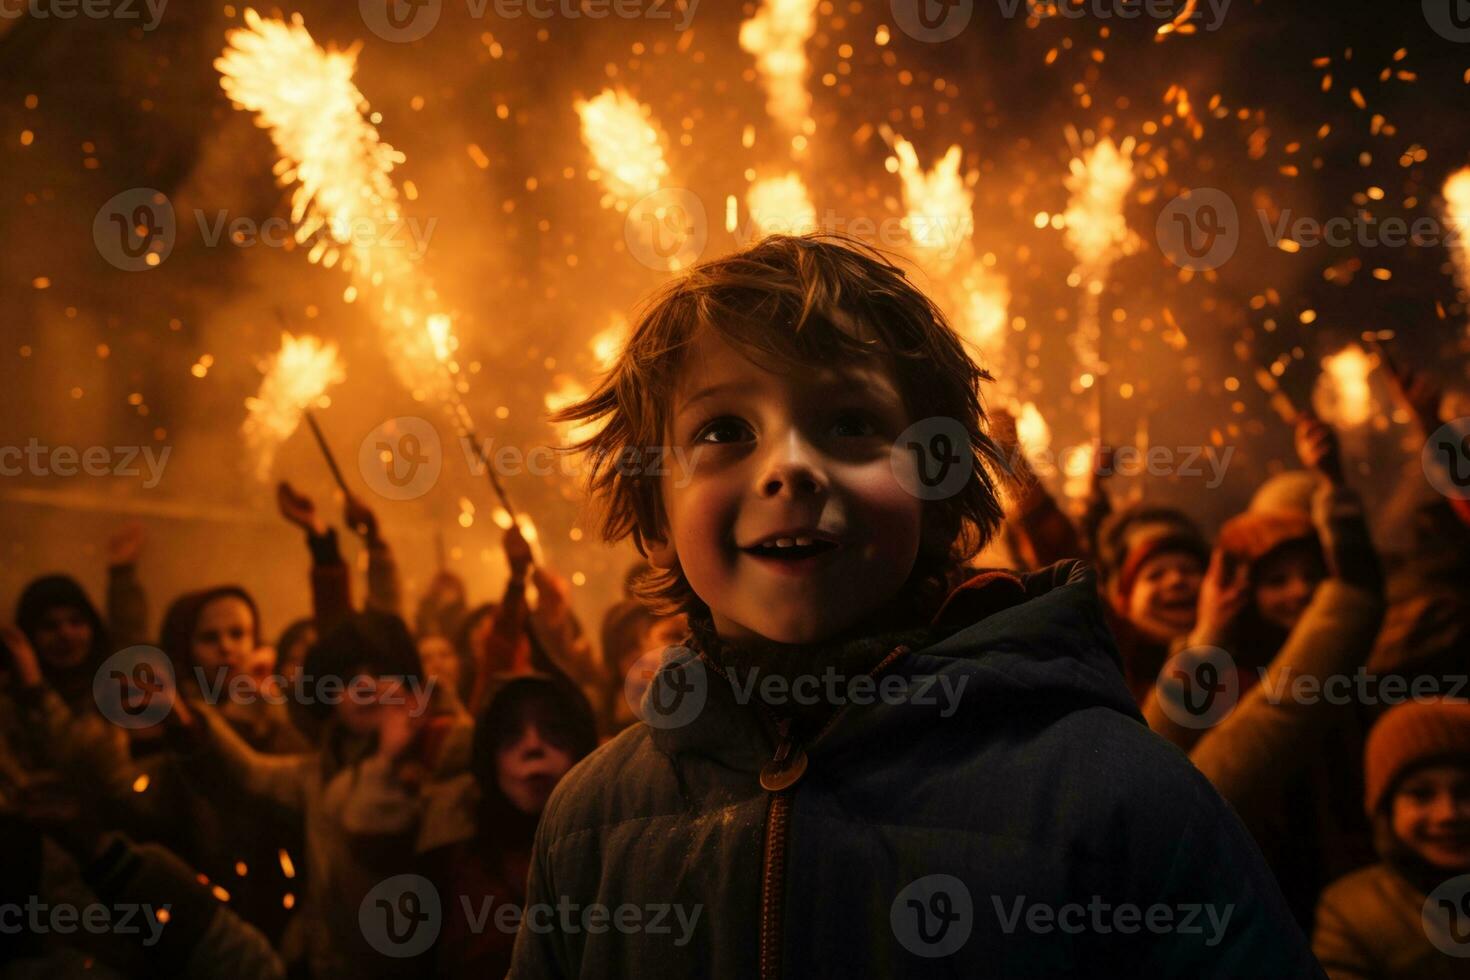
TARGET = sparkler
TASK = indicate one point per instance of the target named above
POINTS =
(296, 377)
(625, 146)
(781, 204)
(1098, 182)
(1457, 216)
(777, 37)
(938, 207)
(344, 205)
(986, 299)
(1343, 396)
(319, 122)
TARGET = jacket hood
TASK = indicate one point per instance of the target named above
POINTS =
(1002, 644)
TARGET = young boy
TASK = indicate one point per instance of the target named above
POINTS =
(846, 771)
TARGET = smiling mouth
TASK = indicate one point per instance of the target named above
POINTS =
(790, 549)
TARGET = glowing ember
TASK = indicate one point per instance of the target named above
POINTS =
(777, 37)
(1032, 432)
(608, 343)
(296, 378)
(442, 337)
(987, 297)
(781, 204)
(1097, 232)
(1077, 466)
(625, 146)
(568, 391)
(345, 205)
(938, 218)
(1457, 216)
(1343, 396)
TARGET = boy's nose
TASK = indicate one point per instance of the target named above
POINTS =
(791, 470)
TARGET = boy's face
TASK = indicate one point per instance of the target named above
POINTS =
(1431, 814)
(1287, 580)
(1165, 594)
(807, 455)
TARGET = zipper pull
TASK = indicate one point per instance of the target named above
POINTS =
(787, 765)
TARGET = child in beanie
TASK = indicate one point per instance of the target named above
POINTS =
(849, 769)
(1403, 918)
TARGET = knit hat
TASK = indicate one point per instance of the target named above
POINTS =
(1409, 736)
(1130, 537)
(1255, 534)
(1292, 491)
(1153, 541)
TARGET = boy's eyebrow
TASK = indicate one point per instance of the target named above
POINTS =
(877, 386)
(710, 392)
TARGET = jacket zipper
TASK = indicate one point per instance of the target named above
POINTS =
(773, 878)
(780, 777)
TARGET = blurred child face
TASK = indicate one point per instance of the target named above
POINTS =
(1285, 584)
(1431, 815)
(294, 656)
(1164, 601)
(224, 635)
(528, 769)
(440, 661)
(63, 637)
(660, 634)
(358, 709)
(803, 456)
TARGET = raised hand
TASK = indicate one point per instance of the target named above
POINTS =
(517, 551)
(1223, 596)
(1418, 392)
(400, 715)
(22, 656)
(125, 545)
(360, 518)
(1318, 448)
(298, 509)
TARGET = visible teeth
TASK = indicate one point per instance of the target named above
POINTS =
(785, 542)
(803, 541)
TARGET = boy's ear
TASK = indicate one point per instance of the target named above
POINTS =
(935, 535)
(660, 553)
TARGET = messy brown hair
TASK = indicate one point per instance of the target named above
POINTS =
(816, 299)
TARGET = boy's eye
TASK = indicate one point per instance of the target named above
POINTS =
(722, 430)
(854, 425)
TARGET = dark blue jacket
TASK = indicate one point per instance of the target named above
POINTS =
(1039, 830)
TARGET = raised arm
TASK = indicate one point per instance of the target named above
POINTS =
(385, 590)
(331, 585)
(127, 605)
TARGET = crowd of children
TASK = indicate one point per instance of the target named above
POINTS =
(1313, 684)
